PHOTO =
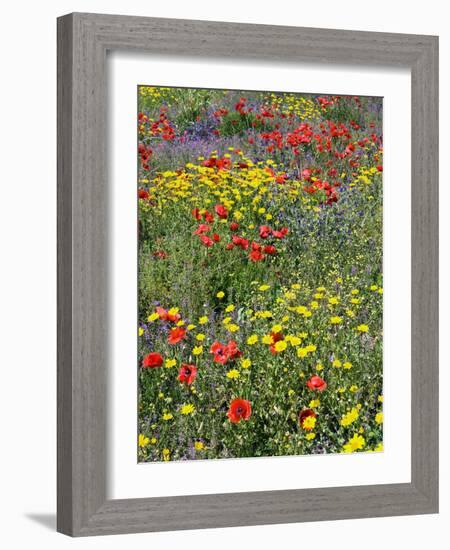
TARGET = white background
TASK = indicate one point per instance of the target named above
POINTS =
(28, 266)
(131, 480)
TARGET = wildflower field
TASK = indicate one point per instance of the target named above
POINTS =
(260, 274)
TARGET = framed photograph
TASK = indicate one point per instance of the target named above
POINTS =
(247, 274)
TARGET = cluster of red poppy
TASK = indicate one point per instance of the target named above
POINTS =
(145, 153)
(330, 191)
(257, 250)
(219, 209)
(281, 177)
(274, 138)
(162, 127)
(220, 113)
(204, 228)
(265, 231)
(222, 163)
(239, 409)
(224, 353)
(176, 334)
(324, 102)
(240, 106)
(165, 315)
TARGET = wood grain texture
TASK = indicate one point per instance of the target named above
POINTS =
(83, 40)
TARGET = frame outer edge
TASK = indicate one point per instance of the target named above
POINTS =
(64, 274)
(425, 273)
(82, 281)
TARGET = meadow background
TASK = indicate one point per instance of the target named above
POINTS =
(260, 274)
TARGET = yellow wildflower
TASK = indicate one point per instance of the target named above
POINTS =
(309, 422)
(233, 373)
(253, 339)
(280, 346)
(170, 363)
(356, 443)
(187, 409)
(349, 417)
(336, 320)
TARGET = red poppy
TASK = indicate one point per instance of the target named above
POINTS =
(240, 241)
(176, 334)
(208, 216)
(160, 254)
(164, 315)
(202, 228)
(234, 226)
(223, 353)
(264, 231)
(152, 360)
(216, 237)
(270, 249)
(281, 233)
(304, 414)
(221, 211)
(379, 168)
(196, 213)
(143, 194)
(240, 409)
(230, 246)
(232, 350)
(256, 256)
(207, 241)
(220, 352)
(187, 373)
(316, 383)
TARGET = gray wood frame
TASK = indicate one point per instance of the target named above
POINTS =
(83, 40)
